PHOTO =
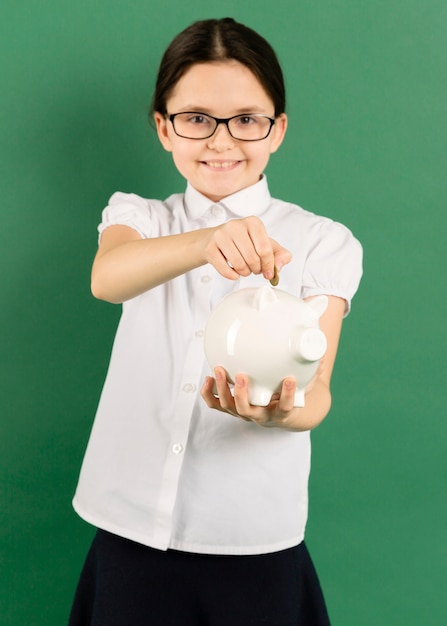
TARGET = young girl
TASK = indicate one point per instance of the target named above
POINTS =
(200, 498)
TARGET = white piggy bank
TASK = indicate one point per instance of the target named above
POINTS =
(269, 335)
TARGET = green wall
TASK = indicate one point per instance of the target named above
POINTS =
(366, 146)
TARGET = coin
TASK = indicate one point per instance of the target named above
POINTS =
(275, 280)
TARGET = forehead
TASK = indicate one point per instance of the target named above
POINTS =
(220, 87)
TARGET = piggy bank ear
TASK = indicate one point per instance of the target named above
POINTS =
(318, 305)
(264, 296)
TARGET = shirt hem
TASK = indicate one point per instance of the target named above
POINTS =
(115, 529)
(184, 546)
(232, 550)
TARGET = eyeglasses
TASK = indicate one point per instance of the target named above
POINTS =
(246, 127)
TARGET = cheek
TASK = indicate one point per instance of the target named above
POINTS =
(184, 157)
(260, 157)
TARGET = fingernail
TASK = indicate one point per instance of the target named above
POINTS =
(239, 381)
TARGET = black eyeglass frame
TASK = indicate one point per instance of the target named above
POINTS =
(221, 120)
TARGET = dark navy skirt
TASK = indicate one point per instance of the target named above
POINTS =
(127, 584)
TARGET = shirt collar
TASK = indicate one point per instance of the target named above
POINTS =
(252, 200)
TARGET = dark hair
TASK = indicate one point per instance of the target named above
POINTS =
(219, 40)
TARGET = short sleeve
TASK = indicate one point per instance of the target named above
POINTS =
(334, 264)
(127, 209)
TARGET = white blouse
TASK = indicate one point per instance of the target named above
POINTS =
(163, 469)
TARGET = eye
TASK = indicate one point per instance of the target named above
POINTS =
(197, 119)
(247, 120)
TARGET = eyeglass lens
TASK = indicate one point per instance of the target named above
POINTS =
(200, 126)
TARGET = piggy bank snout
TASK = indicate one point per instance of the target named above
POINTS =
(310, 344)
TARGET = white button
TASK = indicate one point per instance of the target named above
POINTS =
(217, 211)
(206, 279)
(177, 448)
(189, 387)
(199, 333)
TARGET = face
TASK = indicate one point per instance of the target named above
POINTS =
(220, 165)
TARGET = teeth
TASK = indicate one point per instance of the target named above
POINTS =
(221, 164)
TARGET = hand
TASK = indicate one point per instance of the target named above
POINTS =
(242, 247)
(279, 413)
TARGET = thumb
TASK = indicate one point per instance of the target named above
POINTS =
(281, 255)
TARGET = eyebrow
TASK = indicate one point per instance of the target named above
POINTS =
(199, 109)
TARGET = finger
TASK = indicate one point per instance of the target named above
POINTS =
(223, 391)
(226, 400)
(242, 405)
(207, 393)
(243, 253)
(234, 245)
(221, 265)
(239, 259)
(281, 255)
(287, 396)
(263, 247)
(246, 245)
(246, 261)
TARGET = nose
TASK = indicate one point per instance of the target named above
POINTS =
(221, 140)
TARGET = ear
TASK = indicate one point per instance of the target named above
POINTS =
(279, 131)
(161, 123)
(318, 304)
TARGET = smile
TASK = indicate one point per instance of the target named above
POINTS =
(221, 165)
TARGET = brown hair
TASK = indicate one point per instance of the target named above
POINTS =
(219, 40)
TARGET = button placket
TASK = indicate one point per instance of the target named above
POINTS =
(189, 387)
(190, 381)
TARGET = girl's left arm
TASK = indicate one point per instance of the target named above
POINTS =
(281, 413)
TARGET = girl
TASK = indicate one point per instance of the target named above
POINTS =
(201, 499)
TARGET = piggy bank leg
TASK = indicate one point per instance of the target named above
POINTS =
(259, 396)
(299, 398)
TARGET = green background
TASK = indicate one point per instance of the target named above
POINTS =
(366, 146)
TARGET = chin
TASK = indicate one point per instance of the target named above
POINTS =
(219, 194)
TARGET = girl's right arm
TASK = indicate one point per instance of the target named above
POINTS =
(126, 265)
